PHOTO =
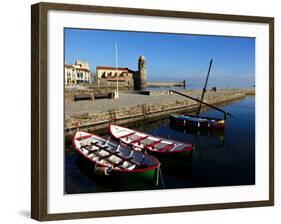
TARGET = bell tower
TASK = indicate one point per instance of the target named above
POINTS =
(140, 79)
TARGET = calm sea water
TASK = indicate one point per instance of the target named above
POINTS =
(221, 158)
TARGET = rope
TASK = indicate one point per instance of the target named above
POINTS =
(161, 176)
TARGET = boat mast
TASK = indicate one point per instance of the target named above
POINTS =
(204, 88)
(116, 66)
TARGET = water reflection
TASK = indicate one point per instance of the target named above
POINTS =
(210, 133)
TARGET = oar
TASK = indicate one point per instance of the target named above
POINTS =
(209, 105)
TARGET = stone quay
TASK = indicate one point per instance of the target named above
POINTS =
(130, 107)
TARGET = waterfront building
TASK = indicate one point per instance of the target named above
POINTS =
(107, 76)
(112, 74)
(69, 74)
(77, 73)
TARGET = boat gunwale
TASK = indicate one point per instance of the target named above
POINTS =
(194, 116)
(186, 149)
(211, 124)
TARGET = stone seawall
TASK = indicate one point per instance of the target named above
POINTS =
(70, 94)
(92, 121)
(165, 84)
(155, 92)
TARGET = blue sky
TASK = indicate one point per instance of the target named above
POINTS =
(170, 57)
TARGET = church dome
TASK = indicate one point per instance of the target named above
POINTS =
(141, 57)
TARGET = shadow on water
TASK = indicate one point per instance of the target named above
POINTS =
(85, 180)
(220, 158)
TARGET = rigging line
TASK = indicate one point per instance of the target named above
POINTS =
(209, 105)
(161, 177)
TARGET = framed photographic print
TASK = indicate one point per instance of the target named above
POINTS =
(130, 105)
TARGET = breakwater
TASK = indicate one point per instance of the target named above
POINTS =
(165, 84)
(95, 115)
(70, 93)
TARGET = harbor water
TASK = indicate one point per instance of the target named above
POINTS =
(220, 158)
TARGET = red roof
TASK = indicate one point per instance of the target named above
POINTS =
(111, 68)
(68, 66)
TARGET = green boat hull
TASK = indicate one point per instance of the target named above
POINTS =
(148, 176)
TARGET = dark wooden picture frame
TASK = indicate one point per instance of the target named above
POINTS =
(39, 121)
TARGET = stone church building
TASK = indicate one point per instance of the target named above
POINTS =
(127, 78)
(107, 76)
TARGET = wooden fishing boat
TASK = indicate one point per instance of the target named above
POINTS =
(196, 122)
(191, 121)
(152, 144)
(112, 158)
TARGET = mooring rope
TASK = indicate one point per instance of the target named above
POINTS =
(161, 176)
